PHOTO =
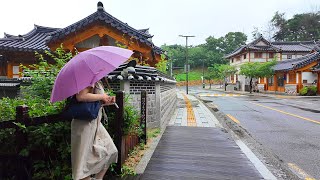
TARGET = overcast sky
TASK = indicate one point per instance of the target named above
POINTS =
(166, 18)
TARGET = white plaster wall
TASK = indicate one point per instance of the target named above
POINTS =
(258, 60)
(245, 60)
(242, 78)
(261, 43)
(89, 43)
(309, 76)
(284, 57)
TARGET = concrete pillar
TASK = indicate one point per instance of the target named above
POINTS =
(125, 86)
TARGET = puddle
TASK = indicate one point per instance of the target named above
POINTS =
(305, 109)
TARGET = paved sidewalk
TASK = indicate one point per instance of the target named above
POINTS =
(194, 146)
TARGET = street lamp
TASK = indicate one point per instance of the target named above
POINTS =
(187, 69)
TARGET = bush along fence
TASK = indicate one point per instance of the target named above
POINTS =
(18, 162)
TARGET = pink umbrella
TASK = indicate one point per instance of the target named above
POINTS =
(86, 68)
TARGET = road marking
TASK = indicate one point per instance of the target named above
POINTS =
(286, 97)
(294, 115)
(263, 170)
(301, 173)
(219, 95)
(233, 119)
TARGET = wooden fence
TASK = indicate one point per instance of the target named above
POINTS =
(23, 165)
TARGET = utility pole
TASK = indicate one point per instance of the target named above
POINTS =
(171, 67)
(187, 64)
(203, 86)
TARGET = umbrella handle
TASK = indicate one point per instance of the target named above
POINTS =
(115, 104)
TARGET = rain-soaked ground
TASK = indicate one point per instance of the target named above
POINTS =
(287, 126)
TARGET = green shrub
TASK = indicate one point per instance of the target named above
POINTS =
(308, 91)
(49, 138)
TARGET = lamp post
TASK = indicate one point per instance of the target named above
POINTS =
(187, 69)
(171, 67)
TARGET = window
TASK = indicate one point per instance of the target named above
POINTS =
(270, 81)
(245, 56)
(289, 56)
(257, 55)
(232, 60)
(271, 55)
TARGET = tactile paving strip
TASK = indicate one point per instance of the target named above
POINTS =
(191, 120)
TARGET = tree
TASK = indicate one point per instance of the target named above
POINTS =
(257, 70)
(162, 64)
(255, 33)
(220, 72)
(211, 52)
(175, 52)
(213, 74)
(301, 27)
(226, 70)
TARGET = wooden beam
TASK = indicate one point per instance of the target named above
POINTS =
(299, 80)
(275, 82)
(100, 30)
(307, 67)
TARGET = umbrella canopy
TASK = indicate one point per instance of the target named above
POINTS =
(86, 68)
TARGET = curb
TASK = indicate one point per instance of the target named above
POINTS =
(262, 94)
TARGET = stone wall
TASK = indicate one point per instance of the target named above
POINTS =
(161, 99)
(261, 87)
(291, 89)
(168, 99)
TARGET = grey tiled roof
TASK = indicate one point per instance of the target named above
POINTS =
(292, 64)
(297, 46)
(35, 40)
(103, 17)
(254, 46)
(142, 73)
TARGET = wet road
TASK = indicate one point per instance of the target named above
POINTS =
(288, 126)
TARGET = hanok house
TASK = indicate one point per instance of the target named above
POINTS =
(262, 50)
(99, 28)
(293, 74)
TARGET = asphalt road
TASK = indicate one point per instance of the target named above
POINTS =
(288, 126)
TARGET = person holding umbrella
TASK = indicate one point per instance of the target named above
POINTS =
(92, 148)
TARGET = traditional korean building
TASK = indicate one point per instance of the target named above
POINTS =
(261, 50)
(293, 74)
(97, 29)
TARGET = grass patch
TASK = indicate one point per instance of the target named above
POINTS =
(153, 133)
(194, 74)
(137, 153)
